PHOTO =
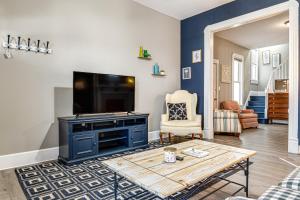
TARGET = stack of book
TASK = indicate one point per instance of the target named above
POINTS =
(195, 152)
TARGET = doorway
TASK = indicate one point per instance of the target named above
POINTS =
(293, 7)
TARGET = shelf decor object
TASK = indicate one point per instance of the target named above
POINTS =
(159, 75)
(162, 72)
(155, 68)
(141, 54)
(144, 54)
(19, 44)
(157, 72)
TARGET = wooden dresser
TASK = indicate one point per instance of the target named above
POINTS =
(278, 106)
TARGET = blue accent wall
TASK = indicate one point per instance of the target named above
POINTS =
(192, 38)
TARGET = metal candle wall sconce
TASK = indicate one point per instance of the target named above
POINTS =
(25, 45)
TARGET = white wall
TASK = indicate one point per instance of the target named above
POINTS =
(101, 36)
(264, 71)
(223, 51)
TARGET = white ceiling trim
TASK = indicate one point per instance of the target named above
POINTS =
(182, 9)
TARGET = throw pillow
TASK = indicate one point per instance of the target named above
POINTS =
(177, 111)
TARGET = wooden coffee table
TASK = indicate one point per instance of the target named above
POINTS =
(148, 169)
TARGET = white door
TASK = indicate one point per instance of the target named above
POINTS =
(237, 78)
(216, 84)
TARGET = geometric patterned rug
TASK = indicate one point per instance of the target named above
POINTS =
(89, 180)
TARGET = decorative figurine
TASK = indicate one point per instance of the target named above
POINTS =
(155, 68)
(141, 53)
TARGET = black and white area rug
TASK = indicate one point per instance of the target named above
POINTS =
(89, 180)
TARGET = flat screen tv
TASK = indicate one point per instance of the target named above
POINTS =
(102, 93)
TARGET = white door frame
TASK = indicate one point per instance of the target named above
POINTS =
(241, 58)
(217, 62)
(293, 7)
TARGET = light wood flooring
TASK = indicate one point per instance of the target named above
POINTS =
(270, 142)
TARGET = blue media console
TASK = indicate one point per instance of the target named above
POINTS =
(100, 135)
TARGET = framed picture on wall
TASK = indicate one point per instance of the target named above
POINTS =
(225, 74)
(266, 57)
(276, 60)
(186, 73)
(196, 56)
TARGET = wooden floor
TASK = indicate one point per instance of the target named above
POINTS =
(270, 142)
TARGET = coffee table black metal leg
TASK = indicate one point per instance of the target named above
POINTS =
(247, 178)
(116, 185)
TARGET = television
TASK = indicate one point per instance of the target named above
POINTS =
(102, 93)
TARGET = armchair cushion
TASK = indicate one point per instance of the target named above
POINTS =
(230, 105)
(247, 115)
(198, 118)
(227, 114)
(181, 123)
(182, 96)
(164, 118)
(177, 111)
(247, 111)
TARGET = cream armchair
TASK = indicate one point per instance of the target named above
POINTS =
(191, 126)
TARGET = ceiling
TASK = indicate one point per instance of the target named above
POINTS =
(263, 33)
(181, 9)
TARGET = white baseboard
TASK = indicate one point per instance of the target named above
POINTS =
(153, 135)
(293, 146)
(27, 158)
(285, 122)
(32, 157)
(208, 134)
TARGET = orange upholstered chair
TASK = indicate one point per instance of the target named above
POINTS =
(248, 117)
